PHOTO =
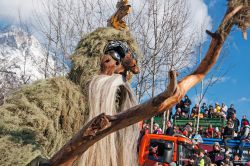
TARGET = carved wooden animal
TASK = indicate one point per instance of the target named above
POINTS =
(117, 19)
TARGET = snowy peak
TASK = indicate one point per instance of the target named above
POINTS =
(17, 38)
(22, 54)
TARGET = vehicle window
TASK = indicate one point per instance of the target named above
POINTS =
(246, 154)
(184, 154)
(160, 150)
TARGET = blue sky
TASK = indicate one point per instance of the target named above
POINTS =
(235, 88)
(235, 85)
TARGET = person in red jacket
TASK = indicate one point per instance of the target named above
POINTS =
(210, 131)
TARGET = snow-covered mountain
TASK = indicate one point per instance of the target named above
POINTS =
(22, 55)
(22, 60)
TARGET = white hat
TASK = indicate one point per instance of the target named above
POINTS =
(217, 143)
(156, 124)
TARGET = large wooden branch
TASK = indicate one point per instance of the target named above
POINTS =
(103, 125)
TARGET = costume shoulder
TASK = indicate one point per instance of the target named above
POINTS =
(38, 119)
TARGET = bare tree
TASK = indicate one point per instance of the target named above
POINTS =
(160, 30)
(62, 23)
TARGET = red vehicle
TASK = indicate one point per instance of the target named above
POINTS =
(166, 150)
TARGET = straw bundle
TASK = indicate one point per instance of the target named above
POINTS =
(242, 19)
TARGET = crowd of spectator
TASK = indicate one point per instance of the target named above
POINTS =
(183, 110)
(234, 129)
(216, 156)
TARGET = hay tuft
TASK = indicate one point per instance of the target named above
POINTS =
(86, 59)
(242, 19)
(39, 119)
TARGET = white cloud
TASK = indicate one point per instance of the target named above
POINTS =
(200, 19)
(217, 80)
(244, 99)
(10, 9)
(212, 3)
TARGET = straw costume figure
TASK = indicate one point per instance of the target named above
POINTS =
(38, 119)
